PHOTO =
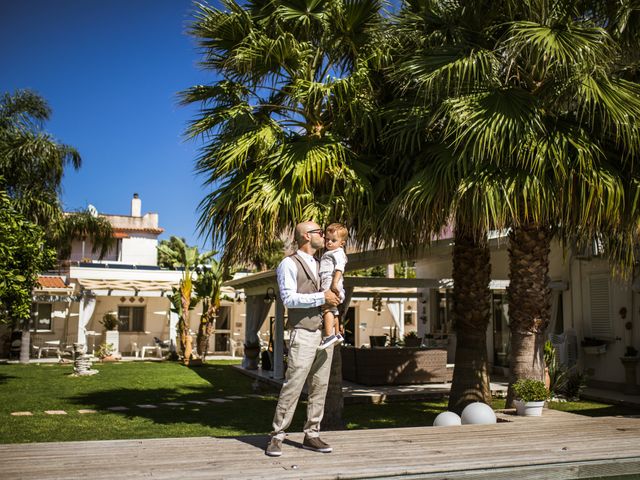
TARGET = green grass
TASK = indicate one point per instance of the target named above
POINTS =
(40, 387)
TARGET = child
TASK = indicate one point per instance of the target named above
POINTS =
(332, 266)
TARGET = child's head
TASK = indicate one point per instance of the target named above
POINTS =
(335, 236)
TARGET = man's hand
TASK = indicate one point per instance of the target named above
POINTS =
(331, 298)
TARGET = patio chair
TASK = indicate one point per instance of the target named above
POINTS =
(135, 349)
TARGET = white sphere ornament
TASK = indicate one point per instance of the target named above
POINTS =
(447, 419)
(478, 413)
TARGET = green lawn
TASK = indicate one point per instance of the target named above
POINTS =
(40, 387)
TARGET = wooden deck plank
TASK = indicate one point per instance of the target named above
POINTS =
(568, 445)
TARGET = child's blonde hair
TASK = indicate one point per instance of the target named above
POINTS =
(339, 229)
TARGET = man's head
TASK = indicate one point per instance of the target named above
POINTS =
(309, 234)
(335, 236)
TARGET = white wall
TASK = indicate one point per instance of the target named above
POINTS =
(140, 249)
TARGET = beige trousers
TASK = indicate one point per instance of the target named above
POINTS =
(305, 363)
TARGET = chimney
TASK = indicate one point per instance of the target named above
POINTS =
(136, 206)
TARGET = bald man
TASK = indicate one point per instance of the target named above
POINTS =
(299, 285)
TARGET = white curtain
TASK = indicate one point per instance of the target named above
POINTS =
(173, 323)
(87, 306)
(257, 311)
(397, 312)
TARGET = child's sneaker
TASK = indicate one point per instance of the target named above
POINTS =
(340, 338)
(327, 342)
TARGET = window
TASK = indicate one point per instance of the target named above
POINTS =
(131, 319)
(223, 319)
(601, 326)
(41, 317)
(408, 318)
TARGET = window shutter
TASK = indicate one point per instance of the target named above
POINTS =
(600, 308)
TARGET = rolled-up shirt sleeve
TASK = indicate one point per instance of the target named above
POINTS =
(287, 284)
(341, 260)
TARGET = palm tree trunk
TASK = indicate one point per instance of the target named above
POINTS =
(471, 314)
(334, 402)
(25, 342)
(202, 340)
(530, 298)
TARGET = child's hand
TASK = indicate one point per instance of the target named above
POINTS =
(335, 290)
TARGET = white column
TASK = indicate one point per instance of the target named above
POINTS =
(173, 323)
(87, 306)
(278, 341)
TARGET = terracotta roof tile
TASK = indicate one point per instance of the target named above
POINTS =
(51, 282)
(133, 229)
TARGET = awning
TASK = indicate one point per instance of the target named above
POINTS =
(136, 287)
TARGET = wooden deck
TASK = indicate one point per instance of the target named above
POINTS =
(557, 445)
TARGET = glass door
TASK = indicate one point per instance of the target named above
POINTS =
(222, 332)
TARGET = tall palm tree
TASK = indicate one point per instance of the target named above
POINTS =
(208, 288)
(524, 99)
(278, 122)
(32, 165)
(284, 120)
(178, 254)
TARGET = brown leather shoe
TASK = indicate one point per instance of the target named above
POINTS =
(274, 449)
(316, 444)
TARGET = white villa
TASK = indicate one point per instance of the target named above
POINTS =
(69, 304)
(587, 302)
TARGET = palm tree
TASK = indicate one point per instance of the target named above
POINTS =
(208, 288)
(524, 101)
(278, 122)
(32, 164)
(178, 254)
(284, 119)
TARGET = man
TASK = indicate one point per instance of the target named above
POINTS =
(300, 291)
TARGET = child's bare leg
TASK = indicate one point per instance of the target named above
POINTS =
(329, 323)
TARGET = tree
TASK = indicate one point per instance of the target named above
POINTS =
(278, 122)
(166, 249)
(178, 254)
(32, 164)
(208, 287)
(284, 120)
(539, 131)
(22, 258)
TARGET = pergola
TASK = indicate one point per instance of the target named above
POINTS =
(261, 290)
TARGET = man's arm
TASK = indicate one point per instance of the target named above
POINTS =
(288, 285)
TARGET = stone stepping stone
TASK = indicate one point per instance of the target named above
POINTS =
(117, 409)
(197, 402)
(173, 404)
(87, 410)
(218, 400)
(22, 414)
(234, 397)
(55, 412)
(146, 405)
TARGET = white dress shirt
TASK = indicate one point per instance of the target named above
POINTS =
(287, 273)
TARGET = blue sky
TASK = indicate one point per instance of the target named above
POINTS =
(110, 71)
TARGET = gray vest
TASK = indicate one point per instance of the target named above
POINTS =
(307, 318)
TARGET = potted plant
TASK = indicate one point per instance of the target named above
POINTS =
(110, 323)
(105, 352)
(530, 397)
(251, 355)
(411, 339)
